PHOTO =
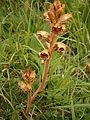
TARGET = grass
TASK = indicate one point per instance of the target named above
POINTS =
(66, 95)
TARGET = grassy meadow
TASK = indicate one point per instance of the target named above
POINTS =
(66, 95)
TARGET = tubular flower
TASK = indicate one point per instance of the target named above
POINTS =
(60, 47)
(44, 55)
(44, 35)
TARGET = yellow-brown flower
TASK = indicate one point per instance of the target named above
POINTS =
(44, 55)
(60, 47)
(44, 35)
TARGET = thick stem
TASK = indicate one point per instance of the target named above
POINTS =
(45, 74)
(28, 102)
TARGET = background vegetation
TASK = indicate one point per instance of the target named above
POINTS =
(66, 95)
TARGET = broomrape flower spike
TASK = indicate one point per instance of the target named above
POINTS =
(57, 23)
(28, 78)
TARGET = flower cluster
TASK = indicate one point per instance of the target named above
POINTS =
(57, 23)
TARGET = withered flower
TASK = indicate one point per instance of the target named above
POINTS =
(44, 55)
(60, 47)
(28, 78)
(44, 35)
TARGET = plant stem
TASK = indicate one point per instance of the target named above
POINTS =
(45, 74)
(28, 102)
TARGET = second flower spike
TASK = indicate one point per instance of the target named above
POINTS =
(28, 78)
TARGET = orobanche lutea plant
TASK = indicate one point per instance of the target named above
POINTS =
(57, 23)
